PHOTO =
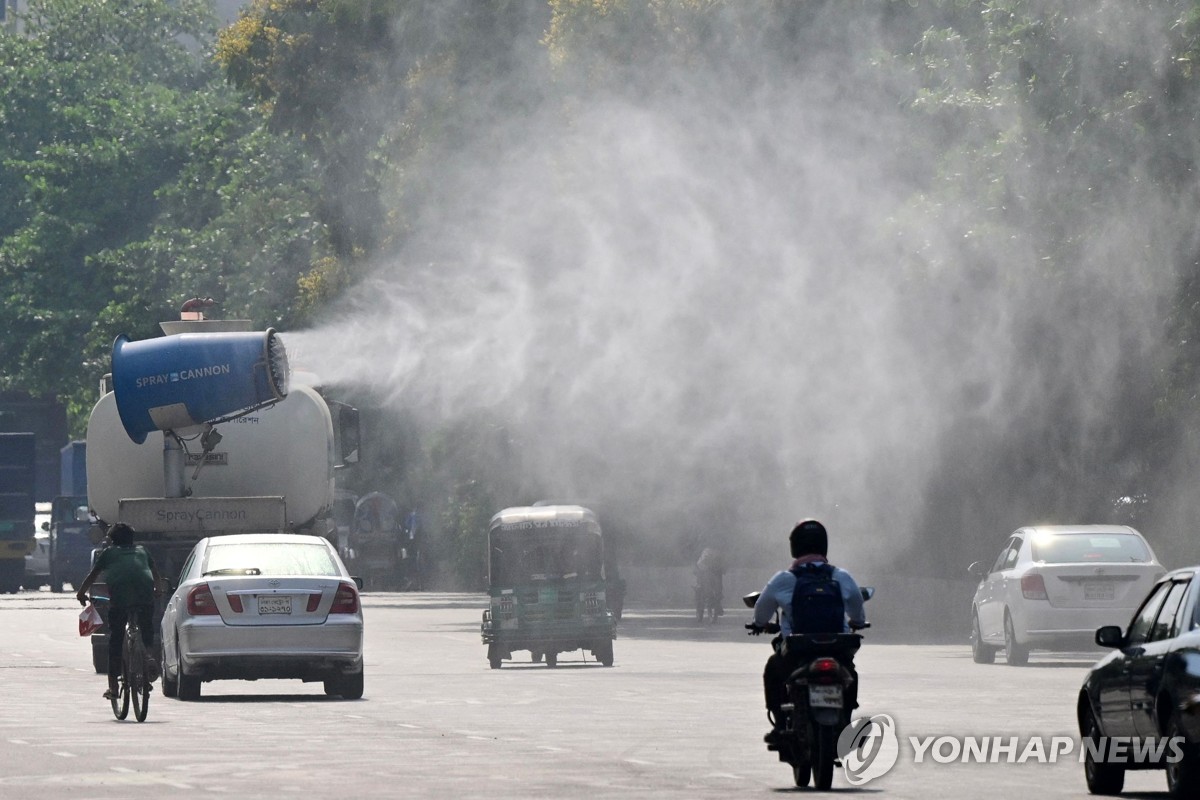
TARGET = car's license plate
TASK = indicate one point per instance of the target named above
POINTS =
(274, 604)
(825, 696)
(1099, 590)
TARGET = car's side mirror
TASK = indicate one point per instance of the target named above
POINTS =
(1110, 636)
(977, 569)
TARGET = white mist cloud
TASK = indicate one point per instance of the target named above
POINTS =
(702, 307)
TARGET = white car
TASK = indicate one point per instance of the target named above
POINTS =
(1052, 586)
(263, 605)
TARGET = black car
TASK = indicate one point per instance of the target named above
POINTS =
(1148, 689)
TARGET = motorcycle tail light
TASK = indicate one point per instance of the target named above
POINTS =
(825, 666)
(825, 670)
(1033, 587)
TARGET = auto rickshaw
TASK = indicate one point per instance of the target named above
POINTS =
(547, 585)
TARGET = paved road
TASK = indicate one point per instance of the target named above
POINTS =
(678, 716)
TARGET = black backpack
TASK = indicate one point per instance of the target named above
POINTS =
(817, 605)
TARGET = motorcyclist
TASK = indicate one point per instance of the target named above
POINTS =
(133, 584)
(809, 543)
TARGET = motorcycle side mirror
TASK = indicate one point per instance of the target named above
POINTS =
(750, 599)
(867, 592)
(977, 569)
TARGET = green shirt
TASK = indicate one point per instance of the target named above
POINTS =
(127, 574)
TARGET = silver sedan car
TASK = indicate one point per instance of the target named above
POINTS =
(263, 605)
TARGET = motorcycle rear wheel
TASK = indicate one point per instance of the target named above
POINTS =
(825, 747)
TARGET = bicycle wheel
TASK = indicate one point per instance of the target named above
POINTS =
(120, 700)
(135, 672)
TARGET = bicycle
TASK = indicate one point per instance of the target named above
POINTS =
(132, 684)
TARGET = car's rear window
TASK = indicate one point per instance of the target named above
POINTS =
(271, 558)
(1070, 548)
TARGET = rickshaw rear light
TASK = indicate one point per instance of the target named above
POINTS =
(507, 606)
(345, 601)
(593, 602)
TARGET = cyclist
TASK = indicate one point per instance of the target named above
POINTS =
(133, 584)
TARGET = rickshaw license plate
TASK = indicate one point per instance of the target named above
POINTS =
(1099, 590)
(275, 604)
(825, 696)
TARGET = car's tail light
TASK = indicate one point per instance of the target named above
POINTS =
(346, 600)
(200, 601)
(1033, 587)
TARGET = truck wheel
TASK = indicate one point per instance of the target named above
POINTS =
(495, 657)
(604, 652)
(551, 659)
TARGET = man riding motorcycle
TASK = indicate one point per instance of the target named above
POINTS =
(809, 543)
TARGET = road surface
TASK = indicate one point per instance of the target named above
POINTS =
(678, 716)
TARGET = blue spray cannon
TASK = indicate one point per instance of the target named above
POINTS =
(188, 380)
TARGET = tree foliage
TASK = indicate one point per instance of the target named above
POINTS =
(132, 178)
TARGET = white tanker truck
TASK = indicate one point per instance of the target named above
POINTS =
(198, 433)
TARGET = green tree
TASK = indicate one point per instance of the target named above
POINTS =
(131, 178)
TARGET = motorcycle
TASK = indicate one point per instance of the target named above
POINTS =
(820, 699)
